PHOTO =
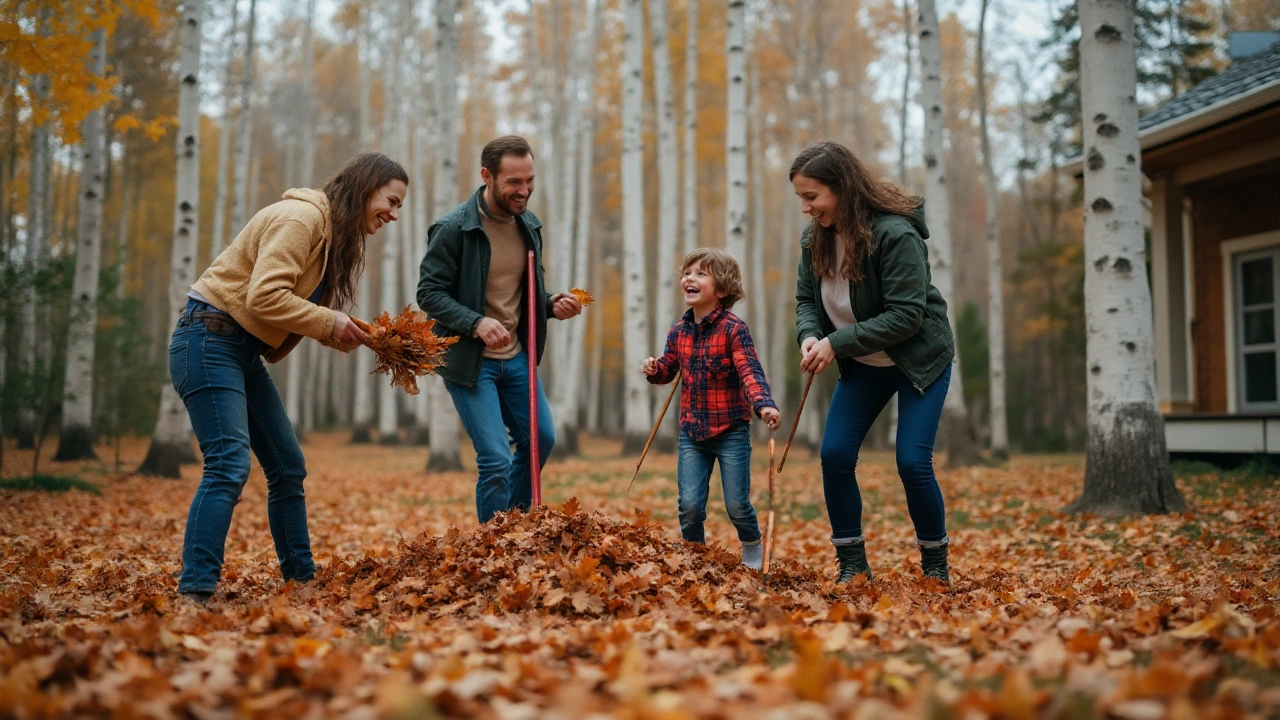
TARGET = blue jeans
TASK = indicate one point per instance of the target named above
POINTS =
(855, 404)
(495, 413)
(693, 476)
(234, 408)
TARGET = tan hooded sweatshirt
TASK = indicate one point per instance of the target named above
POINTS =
(263, 279)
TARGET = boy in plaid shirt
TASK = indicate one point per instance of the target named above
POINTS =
(723, 384)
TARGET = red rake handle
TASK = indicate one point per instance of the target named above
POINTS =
(796, 423)
(531, 350)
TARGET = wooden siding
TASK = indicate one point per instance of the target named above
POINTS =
(1222, 211)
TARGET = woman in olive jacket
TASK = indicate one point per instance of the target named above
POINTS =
(865, 301)
(284, 277)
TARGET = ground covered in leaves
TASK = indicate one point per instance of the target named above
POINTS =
(593, 606)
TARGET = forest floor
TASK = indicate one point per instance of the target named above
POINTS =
(593, 606)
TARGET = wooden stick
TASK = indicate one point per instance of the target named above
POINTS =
(768, 525)
(654, 432)
(805, 396)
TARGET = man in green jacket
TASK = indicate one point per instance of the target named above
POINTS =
(472, 282)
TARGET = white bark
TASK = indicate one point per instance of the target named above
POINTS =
(636, 337)
(902, 125)
(668, 174)
(362, 394)
(1127, 464)
(445, 445)
(240, 188)
(219, 240)
(76, 442)
(306, 172)
(583, 271)
(995, 267)
(388, 414)
(171, 442)
(37, 242)
(735, 240)
(958, 439)
(691, 65)
(580, 137)
(296, 367)
(754, 270)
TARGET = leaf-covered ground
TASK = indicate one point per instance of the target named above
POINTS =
(594, 606)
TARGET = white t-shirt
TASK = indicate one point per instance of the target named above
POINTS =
(837, 302)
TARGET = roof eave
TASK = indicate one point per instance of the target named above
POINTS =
(1207, 116)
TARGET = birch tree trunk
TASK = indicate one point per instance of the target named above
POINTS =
(219, 240)
(636, 337)
(37, 242)
(906, 94)
(995, 266)
(362, 393)
(240, 190)
(755, 268)
(1127, 463)
(690, 203)
(445, 453)
(892, 437)
(76, 440)
(668, 200)
(393, 116)
(171, 442)
(956, 431)
(735, 240)
(582, 140)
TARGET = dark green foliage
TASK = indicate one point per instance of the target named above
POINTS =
(1173, 49)
(975, 363)
(48, 483)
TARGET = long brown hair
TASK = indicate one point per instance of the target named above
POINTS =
(349, 192)
(859, 192)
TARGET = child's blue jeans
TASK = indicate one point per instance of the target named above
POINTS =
(733, 449)
(855, 404)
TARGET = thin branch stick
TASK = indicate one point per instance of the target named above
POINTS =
(654, 432)
(796, 423)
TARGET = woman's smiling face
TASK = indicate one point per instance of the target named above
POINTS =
(816, 200)
(384, 206)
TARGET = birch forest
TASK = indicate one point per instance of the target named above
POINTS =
(658, 126)
(1093, 574)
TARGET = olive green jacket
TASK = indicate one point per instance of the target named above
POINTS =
(898, 309)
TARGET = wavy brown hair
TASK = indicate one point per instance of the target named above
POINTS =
(722, 268)
(860, 192)
(349, 193)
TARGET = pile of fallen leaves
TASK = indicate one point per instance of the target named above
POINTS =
(594, 607)
(562, 561)
(406, 347)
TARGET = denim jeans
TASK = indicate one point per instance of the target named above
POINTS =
(495, 413)
(855, 404)
(234, 408)
(693, 477)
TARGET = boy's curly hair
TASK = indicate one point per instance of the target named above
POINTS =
(724, 272)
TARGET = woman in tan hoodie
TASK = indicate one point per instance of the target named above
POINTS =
(283, 278)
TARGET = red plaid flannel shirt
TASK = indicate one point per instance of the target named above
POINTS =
(723, 380)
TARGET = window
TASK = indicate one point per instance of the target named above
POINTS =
(1257, 310)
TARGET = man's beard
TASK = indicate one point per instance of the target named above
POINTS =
(501, 205)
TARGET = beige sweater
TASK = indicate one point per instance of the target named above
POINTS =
(263, 279)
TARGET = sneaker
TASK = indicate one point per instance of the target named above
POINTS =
(753, 554)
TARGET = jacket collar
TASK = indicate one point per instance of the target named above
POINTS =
(711, 318)
(471, 215)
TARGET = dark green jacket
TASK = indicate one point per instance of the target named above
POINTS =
(452, 279)
(898, 309)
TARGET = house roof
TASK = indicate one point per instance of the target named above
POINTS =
(1247, 85)
(1239, 78)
